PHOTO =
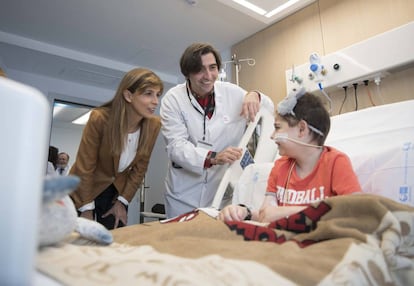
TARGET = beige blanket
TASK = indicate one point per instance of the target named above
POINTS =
(348, 240)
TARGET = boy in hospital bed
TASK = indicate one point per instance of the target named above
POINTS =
(307, 171)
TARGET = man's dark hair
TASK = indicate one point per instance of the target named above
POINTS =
(190, 61)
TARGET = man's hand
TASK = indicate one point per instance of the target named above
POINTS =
(251, 105)
(228, 156)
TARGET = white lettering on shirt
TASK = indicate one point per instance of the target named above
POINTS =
(299, 197)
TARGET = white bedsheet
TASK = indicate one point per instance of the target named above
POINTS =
(380, 142)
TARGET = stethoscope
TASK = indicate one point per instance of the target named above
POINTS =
(207, 109)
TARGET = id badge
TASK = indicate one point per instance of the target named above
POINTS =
(204, 144)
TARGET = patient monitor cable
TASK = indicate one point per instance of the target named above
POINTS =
(355, 85)
(343, 101)
(327, 97)
(369, 92)
(377, 81)
(355, 94)
(280, 137)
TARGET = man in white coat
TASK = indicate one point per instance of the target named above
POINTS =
(63, 167)
(202, 121)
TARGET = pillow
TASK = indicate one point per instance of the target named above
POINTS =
(251, 187)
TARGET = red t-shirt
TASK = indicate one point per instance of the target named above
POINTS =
(333, 175)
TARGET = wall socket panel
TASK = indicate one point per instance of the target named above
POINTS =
(371, 59)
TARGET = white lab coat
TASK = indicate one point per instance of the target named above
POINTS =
(50, 169)
(190, 186)
(65, 171)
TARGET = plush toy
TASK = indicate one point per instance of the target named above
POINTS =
(58, 216)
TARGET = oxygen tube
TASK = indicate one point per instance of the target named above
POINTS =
(281, 137)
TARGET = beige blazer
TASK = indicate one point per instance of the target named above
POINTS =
(97, 167)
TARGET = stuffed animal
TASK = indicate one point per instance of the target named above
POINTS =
(58, 216)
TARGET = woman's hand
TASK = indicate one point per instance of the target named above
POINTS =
(87, 214)
(118, 210)
(233, 212)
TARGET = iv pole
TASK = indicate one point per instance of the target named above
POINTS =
(237, 63)
(252, 143)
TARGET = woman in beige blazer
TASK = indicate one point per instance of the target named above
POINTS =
(115, 149)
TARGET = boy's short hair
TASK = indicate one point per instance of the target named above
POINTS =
(310, 108)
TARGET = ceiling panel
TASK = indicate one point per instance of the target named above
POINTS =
(95, 42)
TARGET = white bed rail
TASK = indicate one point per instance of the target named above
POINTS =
(265, 151)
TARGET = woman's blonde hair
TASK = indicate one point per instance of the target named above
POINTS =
(137, 79)
(2, 73)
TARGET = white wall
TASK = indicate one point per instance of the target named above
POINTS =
(66, 139)
(157, 171)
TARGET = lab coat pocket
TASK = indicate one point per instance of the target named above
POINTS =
(180, 181)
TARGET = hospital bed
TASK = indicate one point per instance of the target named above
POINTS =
(365, 239)
(258, 148)
(380, 143)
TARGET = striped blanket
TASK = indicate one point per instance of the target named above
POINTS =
(359, 239)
